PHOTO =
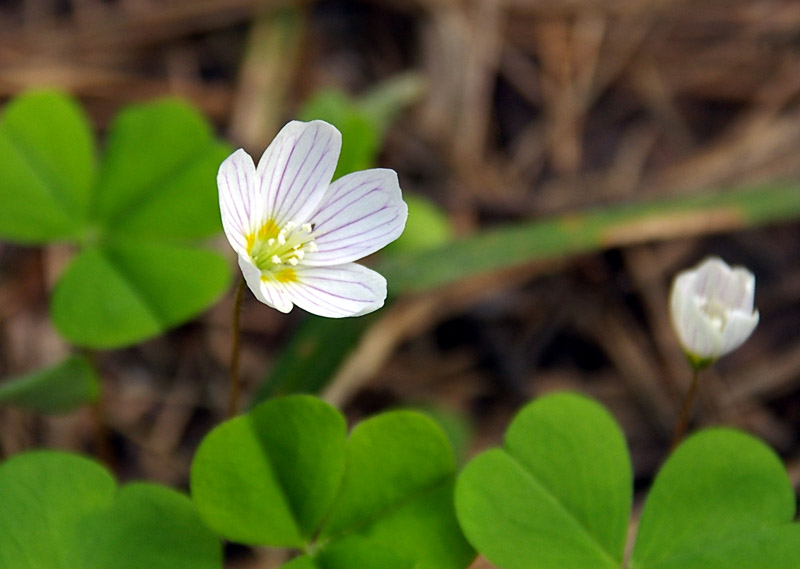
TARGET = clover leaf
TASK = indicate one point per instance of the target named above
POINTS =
(133, 216)
(558, 495)
(286, 475)
(47, 160)
(63, 510)
(723, 499)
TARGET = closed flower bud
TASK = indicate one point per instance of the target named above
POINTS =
(712, 310)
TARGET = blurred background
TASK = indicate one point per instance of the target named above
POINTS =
(509, 112)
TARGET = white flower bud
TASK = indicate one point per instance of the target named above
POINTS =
(712, 309)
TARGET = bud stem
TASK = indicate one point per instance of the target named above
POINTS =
(686, 411)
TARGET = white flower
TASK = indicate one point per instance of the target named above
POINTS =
(297, 234)
(712, 309)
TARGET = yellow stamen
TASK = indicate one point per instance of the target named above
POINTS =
(268, 230)
(277, 250)
(286, 275)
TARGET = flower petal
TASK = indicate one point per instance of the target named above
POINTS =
(710, 275)
(739, 292)
(239, 199)
(695, 330)
(698, 334)
(270, 293)
(297, 167)
(361, 213)
(682, 290)
(737, 329)
(336, 292)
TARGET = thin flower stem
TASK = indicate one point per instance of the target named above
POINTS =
(235, 386)
(102, 434)
(686, 412)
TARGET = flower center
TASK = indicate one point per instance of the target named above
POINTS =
(716, 311)
(276, 250)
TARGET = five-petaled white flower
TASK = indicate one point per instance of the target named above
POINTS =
(297, 234)
(712, 309)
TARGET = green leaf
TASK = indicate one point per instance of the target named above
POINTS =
(578, 232)
(360, 140)
(284, 476)
(351, 552)
(48, 167)
(303, 562)
(427, 227)
(722, 500)
(456, 425)
(149, 526)
(58, 389)
(385, 101)
(157, 179)
(124, 293)
(154, 191)
(269, 477)
(63, 510)
(363, 121)
(558, 494)
(44, 497)
(397, 491)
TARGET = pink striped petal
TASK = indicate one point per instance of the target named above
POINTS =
(337, 292)
(361, 213)
(296, 168)
(239, 199)
(269, 293)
